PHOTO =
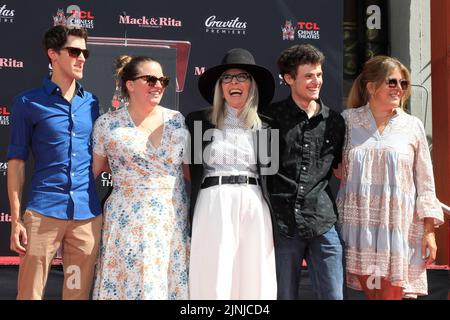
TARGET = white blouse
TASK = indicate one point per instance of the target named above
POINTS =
(231, 151)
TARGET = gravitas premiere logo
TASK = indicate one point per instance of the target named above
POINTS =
(233, 26)
(152, 22)
(6, 15)
(10, 63)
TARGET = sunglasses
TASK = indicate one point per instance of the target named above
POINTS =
(241, 77)
(393, 83)
(75, 52)
(151, 80)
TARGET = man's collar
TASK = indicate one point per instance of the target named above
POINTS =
(294, 109)
(50, 87)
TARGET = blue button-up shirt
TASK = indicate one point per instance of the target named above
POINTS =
(59, 134)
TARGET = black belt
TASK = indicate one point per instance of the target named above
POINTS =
(213, 181)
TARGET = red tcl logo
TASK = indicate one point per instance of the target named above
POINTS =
(82, 14)
(308, 25)
(4, 111)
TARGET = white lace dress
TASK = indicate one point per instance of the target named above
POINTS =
(387, 189)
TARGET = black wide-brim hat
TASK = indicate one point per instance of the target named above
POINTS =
(238, 58)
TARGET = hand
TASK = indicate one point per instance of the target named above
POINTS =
(19, 238)
(429, 242)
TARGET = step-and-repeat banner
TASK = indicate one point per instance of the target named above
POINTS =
(186, 36)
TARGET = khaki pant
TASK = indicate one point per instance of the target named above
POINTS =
(80, 239)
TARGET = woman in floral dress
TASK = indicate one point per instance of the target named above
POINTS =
(144, 251)
(387, 203)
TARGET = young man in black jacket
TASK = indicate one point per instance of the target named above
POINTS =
(311, 140)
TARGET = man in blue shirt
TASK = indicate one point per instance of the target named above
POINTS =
(55, 121)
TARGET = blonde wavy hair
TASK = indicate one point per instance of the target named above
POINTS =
(376, 70)
(249, 113)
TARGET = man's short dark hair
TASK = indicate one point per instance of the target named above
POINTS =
(298, 55)
(56, 37)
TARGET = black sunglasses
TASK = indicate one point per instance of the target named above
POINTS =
(75, 52)
(241, 77)
(151, 80)
(393, 82)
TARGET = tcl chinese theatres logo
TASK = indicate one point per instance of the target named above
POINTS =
(4, 119)
(302, 30)
(73, 16)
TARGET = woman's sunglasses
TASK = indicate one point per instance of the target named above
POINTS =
(241, 77)
(393, 83)
(151, 80)
(75, 52)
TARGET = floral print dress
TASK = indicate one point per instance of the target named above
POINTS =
(144, 250)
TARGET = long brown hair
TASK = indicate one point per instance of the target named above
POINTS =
(376, 70)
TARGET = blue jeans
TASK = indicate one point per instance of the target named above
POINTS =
(325, 265)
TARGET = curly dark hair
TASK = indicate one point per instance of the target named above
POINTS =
(298, 55)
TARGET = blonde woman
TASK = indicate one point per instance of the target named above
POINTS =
(232, 251)
(387, 202)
